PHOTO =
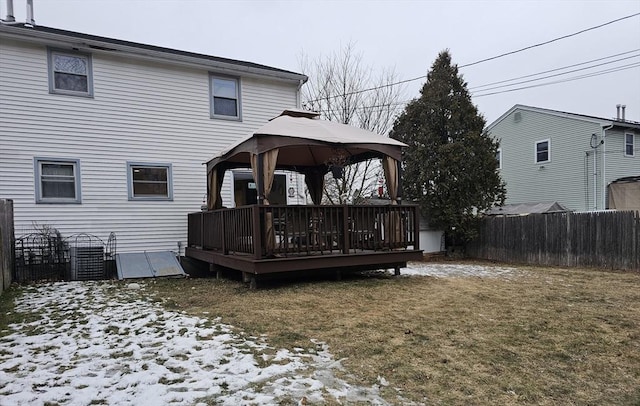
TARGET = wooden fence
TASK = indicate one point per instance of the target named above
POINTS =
(609, 239)
(6, 243)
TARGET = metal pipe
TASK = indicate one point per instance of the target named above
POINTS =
(30, 19)
(617, 112)
(10, 17)
(623, 108)
(604, 166)
(595, 175)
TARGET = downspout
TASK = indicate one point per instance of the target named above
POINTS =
(594, 144)
(298, 95)
(604, 166)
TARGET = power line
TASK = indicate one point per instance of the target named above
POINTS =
(560, 74)
(550, 41)
(599, 73)
(570, 79)
(482, 60)
(553, 70)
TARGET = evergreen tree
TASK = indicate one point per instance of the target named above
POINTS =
(450, 167)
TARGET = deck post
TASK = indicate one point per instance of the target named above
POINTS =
(345, 229)
(225, 251)
(260, 180)
(416, 227)
(257, 232)
(399, 165)
(396, 271)
(202, 229)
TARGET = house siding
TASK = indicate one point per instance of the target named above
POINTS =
(141, 111)
(565, 177)
(569, 176)
(617, 165)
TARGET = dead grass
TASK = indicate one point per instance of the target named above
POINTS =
(551, 336)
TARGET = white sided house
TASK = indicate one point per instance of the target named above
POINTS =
(572, 159)
(99, 135)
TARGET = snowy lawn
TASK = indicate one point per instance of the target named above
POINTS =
(103, 343)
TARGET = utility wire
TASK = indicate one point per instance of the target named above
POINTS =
(483, 60)
(553, 70)
(559, 74)
(570, 79)
(550, 41)
(589, 75)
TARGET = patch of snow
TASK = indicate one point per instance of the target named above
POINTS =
(444, 270)
(101, 342)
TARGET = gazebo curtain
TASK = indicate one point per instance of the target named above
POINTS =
(269, 160)
(390, 167)
(314, 179)
(214, 188)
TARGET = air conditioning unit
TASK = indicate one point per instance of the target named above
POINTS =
(87, 263)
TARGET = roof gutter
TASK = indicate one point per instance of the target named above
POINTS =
(89, 45)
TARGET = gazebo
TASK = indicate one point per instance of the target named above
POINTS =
(263, 238)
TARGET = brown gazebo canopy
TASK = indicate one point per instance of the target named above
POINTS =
(300, 141)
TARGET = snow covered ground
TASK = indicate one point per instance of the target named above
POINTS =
(444, 269)
(104, 343)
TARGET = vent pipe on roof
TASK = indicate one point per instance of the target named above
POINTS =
(623, 107)
(617, 111)
(10, 17)
(30, 19)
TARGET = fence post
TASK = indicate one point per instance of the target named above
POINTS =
(7, 240)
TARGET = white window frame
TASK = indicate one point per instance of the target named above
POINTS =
(38, 162)
(238, 99)
(626, 144)
(51, 53)
(132, 165)
(535, 151)
(499, 153)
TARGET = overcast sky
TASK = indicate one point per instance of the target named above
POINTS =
(403, 35)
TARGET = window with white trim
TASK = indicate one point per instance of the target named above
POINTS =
(57, 180)
(225, 97)
(70, 73)
(543, 151)
(629, 144)
(149, 181)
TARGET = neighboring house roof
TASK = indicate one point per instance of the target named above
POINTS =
(96, 43)
(517, 209)
(599, 120)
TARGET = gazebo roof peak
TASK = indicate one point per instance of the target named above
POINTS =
(296, 112)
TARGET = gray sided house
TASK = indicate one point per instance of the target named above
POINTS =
(100, 135)
(553, 156)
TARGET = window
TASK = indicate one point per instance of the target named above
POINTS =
(499, 157)
(225, 96)
(57, 180)
(629, 144)
(543, 151)
(149, 181)
(70, 73)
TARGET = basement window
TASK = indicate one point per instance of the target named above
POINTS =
(57, 180)
(70, 73)
(149, 181)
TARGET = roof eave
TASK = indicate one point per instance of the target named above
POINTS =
(156, 53)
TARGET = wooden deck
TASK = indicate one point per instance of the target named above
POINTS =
(262, 239)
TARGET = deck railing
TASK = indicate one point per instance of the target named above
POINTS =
(305, 230)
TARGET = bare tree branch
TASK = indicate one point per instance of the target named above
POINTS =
(334, 90)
